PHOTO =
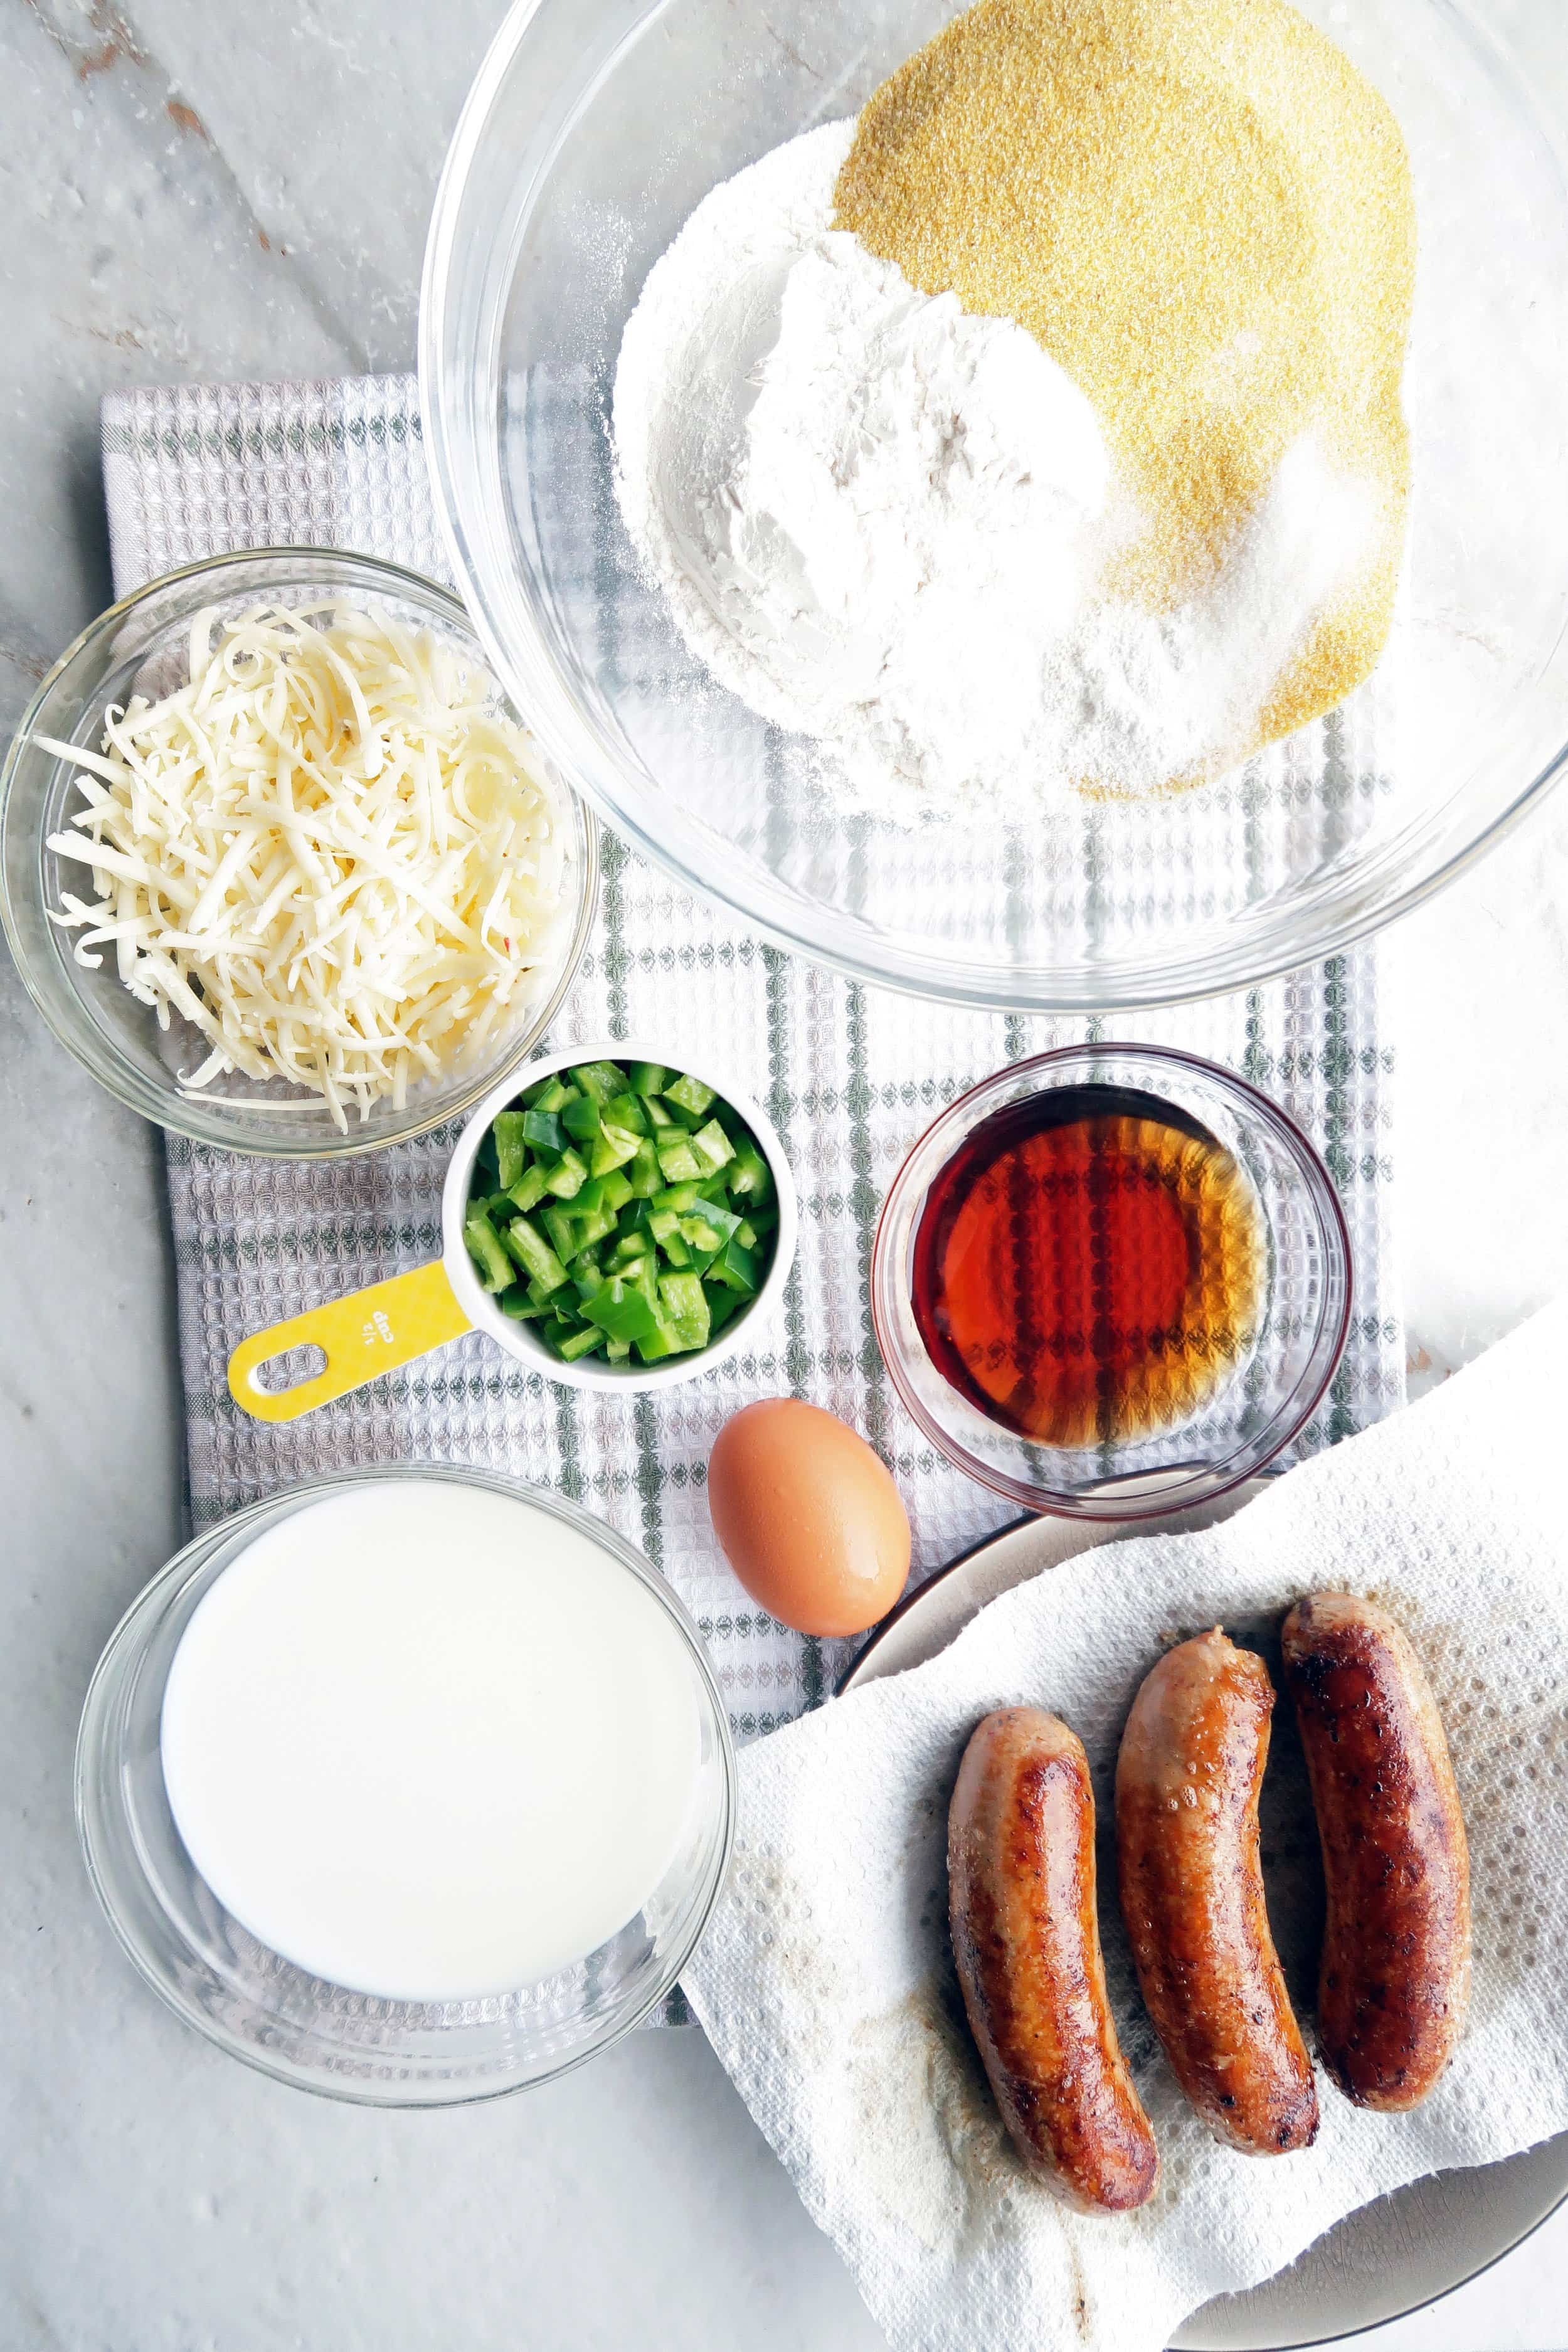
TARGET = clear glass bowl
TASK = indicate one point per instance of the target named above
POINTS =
(318, 2036)
(141, 642)
(1275, 1388)
(593, 128)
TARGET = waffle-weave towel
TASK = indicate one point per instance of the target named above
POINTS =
(850, 1074)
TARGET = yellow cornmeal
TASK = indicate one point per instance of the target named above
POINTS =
(1203, 214)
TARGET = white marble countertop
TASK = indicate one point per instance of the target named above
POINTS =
(189, 191)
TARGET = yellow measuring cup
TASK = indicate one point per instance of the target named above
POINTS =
(390, 1324)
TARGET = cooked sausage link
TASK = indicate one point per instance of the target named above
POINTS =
(1395, 1972)
(1187, 1784)
(1026, 1936)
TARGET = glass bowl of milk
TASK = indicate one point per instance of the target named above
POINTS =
(410, 1786)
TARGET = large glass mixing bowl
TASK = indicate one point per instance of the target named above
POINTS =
(593, 128)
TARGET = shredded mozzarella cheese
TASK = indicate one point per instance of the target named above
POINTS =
(328, 852)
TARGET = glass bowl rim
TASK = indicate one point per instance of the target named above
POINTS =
(179, 1114)
(1102, 1504)
(772, 910)
(145, 1611)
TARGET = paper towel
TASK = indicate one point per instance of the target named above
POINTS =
(825, 1981)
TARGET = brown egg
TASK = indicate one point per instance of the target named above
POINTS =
(809, 1519)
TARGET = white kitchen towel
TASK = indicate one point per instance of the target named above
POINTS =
(825, 1983)
(849, 1075)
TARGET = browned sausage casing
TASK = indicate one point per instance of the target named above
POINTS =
(1187, 1782)
(1395, 1974)
(1026, 1935)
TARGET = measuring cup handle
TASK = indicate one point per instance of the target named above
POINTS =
(368, 1333)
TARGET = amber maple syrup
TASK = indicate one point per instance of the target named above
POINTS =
(1091, 1266)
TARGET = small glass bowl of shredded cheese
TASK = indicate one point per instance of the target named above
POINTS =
(280, 864)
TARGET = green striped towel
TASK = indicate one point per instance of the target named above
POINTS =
(850, 1074)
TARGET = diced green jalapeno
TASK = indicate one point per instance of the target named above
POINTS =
(534, 1255)
(581, 1118)
(581, 1342)
(644, 1174)
(643, 1275)
(600, 1080)
(517, 1303)
(611, 1148)
(531, 1187)
(686, 1310)
(597, 1227)
(681, 1197)
(543, 1129)
(660, 1342)
(739, 1269)
(681, 1120)
(565, 1236)
(636, 1204)
(678, 1163)
(566, 1176)
(722, 1304)
(712, 1146)
(703, 1241)
(486, 1253)
(621, 1311)
(748, 1174)
(689, 1094)
(716, 1216)
(510, 1145)
(619, 1188)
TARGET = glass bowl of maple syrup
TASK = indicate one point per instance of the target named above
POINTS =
(1113, 1282)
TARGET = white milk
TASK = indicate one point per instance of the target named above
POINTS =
(428, 1741)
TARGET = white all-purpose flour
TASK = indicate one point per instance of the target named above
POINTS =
(883, 522)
